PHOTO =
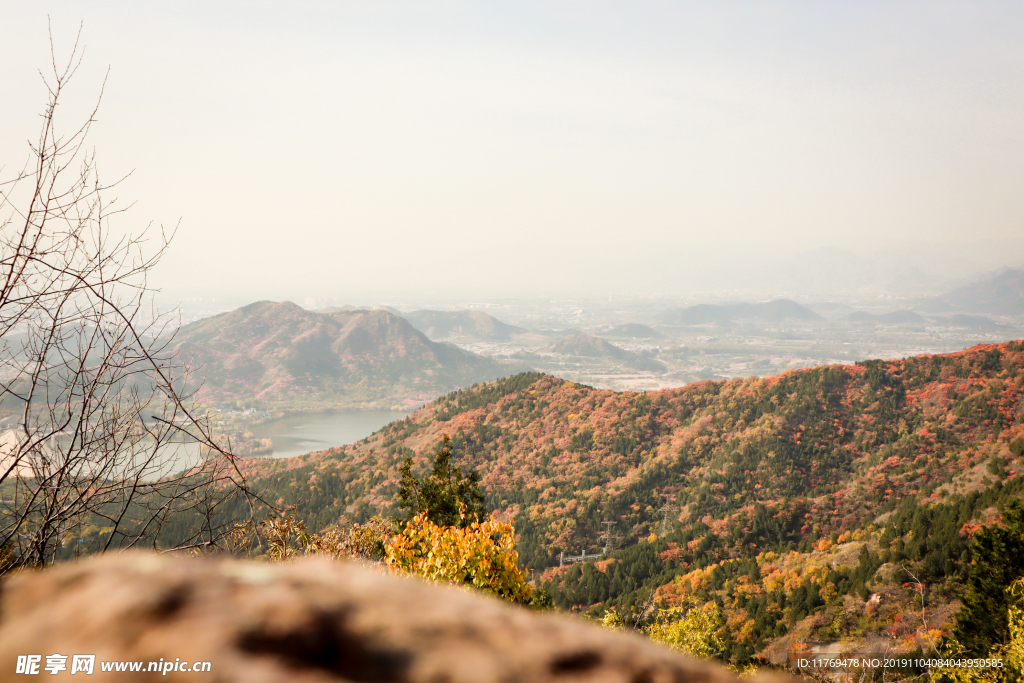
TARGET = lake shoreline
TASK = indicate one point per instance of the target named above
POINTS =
(296, 435)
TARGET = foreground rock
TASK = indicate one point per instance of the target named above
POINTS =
(311, 620)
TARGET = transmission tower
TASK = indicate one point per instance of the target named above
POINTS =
(665, 511)
(609, 539)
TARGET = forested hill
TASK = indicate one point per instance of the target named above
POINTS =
(794, 476)
(594, 347)
(475, 325)
(281, 353)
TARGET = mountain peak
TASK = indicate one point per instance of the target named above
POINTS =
(279, 351)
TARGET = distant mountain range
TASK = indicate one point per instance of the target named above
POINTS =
(999, 294)
(281, 353)
(778, 311)
(470, 325)
(587, 346)
(977, 323)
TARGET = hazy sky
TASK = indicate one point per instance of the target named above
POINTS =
(364, 150)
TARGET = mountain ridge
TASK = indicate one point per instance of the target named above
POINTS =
(790, 500)
(280, 352)
(479, 418)
(776, 311)
(475, 325)
(588, 346)
(999, 294)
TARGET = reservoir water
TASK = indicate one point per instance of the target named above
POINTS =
(301, 434)
(291, 436)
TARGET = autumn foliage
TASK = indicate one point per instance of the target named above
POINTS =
(481, 555)
(692, 631)
(797, 503)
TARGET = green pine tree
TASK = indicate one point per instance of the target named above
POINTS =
(448, 496)
(998, 561)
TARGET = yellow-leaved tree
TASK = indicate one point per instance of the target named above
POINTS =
(445, 539)
(692, 631)
(481, 555)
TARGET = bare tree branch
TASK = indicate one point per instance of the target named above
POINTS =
(100, 440)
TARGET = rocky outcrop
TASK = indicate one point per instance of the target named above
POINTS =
(310, 620)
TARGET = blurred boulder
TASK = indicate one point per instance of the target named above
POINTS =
(308, 620)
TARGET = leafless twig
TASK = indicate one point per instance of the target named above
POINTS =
(100, 439)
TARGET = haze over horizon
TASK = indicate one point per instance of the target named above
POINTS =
(563, 149)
